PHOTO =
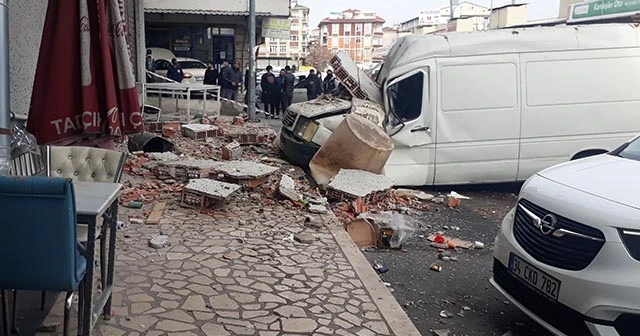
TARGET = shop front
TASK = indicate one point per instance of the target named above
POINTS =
(602, 11)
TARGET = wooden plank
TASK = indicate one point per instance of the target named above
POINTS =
(156, 213)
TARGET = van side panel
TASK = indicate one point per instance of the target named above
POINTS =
(478, 119)
(575, 101)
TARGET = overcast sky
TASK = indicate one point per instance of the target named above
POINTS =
(396, 11)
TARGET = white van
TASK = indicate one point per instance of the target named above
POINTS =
(495, 106)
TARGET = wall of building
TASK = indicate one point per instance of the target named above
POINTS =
(508, 16)
(291, 51)
(26, 20)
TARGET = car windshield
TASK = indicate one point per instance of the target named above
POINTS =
(631, 150)
(192, 65)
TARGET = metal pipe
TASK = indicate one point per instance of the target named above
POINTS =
(5, 99)
(141, 58)
(251, 86)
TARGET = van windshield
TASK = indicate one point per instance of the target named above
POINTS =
(630, 150)
(405, 99)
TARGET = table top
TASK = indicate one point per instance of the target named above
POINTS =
(94, 198)
(182, 86)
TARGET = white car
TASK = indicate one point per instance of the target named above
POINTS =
(568, 254)
(193, 69)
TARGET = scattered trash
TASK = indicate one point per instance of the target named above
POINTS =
(409, 193)
(466, 308)
(387, 284)
(394, 229)
(478, 245)
(159, 241)
(441, 241)
(441, 332)
(435, 267)
(134, 205)
(379, 268)
(136, 221)
(120, 225)
(362, 232)
(437, 200)
(445, 314)
(455, 195)
(149, 143)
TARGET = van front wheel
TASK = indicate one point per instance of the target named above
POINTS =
(588, 153)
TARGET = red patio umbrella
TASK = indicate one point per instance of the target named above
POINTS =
(84, 87)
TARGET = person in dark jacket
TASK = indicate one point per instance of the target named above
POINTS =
(329, 82)
(233, 81)
(269, 88)
(288, 82)
(175, 71)
(211, 75)
(278, 98)
(314, 85)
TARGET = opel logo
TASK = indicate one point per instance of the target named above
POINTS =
(548, 224)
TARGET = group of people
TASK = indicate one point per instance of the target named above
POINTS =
(229, 78)
(277, 92)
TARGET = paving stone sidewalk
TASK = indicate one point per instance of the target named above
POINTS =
(240, 271)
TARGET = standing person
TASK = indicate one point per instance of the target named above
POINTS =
(278, 97)
(269, 88)
(150, 62)
(233, 80)
(175, 71)
(224, 67)
(329, 83)
(288, 82)
(314, 85)
(211, 75)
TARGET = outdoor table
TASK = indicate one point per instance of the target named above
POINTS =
(178, 89)
(95, 200)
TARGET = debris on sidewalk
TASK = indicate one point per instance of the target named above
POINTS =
(304, 238)
(352, 184)
(159, 241)
(232, 151)
(166, 156)
(318, 209)
(149, 143)
(156, 213)
(379, 268)
(445, 314)
(206, 193)
(435, 267)
(184, 170)
(245, 173)
(199, 132)
(416, 194)
(287, 188)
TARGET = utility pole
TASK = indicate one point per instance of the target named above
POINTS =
(251, 86)
(5, 113)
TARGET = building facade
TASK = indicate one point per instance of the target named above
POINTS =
(210, 31)
(354, 32)
(291, 51)
(467, 16)
(508, 16)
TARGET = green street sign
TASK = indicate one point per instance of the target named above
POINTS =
(603, 9)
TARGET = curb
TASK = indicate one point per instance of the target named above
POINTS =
(392, 312)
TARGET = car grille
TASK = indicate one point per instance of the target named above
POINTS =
(289, 119)
(558, 315)
(568, 252)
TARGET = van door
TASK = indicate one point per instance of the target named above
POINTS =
(411, 124)
(478, 119)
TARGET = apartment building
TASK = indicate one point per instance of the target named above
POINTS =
(467, 16)
(352, 31)
(292, 51)
(314, 37)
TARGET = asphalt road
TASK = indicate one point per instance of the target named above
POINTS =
(462, 288)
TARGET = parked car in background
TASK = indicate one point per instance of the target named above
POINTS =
(568, 254)
(193, 69)
(299, 88)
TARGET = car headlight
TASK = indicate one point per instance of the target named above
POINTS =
(306, 129)
(631, 240)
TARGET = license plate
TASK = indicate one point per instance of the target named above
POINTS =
(199, 79)
(542, 282)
